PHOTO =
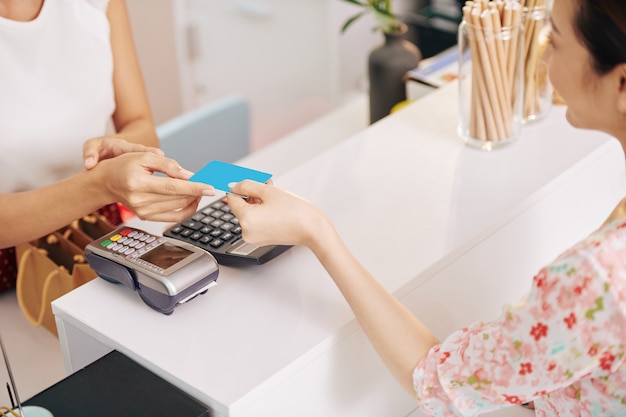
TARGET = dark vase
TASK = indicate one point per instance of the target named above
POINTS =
(387, 68)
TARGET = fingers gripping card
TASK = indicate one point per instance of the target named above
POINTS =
(220, 174)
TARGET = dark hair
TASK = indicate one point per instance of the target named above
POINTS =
(601, 26)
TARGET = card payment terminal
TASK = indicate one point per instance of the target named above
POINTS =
(165, 272)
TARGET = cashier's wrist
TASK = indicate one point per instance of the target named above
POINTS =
(97, 189)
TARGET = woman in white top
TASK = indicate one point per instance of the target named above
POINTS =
(68, 69)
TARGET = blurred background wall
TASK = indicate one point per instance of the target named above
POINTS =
(286, 57)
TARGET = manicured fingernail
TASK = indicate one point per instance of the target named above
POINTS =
(89, 161)
(208, 192)
(232, 184)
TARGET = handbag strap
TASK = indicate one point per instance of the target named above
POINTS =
(40, 315)
(7, 412)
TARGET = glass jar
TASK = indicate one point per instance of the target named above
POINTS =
(490, 76)
(538, 90)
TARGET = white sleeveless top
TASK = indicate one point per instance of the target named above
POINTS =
(56, 91)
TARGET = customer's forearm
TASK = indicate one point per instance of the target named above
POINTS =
(399, 338)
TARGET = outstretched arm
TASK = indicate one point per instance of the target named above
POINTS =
(399, 338)
(127, 178)
(279, 217)
(569, 327)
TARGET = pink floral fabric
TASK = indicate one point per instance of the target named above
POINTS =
(563, 346)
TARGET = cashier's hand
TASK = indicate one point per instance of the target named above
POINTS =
(271, 215)
(105, 147)
(129, 179)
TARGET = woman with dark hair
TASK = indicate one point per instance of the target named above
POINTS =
(564, 345)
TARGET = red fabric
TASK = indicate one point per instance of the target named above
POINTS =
(8, 269)
(125, 213)
(112, 213)
(116, 213)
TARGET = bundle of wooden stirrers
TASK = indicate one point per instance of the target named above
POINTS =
(535, 73)
(493, 34)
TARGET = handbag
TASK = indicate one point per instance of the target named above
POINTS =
(7, 412)
(54, 265)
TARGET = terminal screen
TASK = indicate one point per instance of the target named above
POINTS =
(166, 255)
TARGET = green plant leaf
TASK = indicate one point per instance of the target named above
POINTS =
(351, 20)
(357, 2)
(386, 22)
(382, 11)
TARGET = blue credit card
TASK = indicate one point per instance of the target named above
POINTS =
(219, 174)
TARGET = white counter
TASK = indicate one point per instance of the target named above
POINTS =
(453, 232)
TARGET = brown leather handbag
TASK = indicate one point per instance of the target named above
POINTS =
(54, 265)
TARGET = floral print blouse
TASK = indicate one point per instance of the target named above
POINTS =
(562, 346)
